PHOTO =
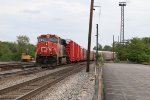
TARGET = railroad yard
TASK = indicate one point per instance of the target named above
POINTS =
(121, 81)
(46, 84)
(74, 50)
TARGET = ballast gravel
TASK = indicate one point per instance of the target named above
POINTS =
(79, 86)
(10, 81)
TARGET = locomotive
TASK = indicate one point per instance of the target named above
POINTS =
(53, 50)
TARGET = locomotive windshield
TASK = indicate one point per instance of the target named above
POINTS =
(41, 39)
(53, 39)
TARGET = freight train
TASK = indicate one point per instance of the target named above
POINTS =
(108, 55)
(54, 50)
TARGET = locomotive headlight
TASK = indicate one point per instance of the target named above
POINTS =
(46, 44)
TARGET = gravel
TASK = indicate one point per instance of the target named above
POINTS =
(9, 81)
(79, 86)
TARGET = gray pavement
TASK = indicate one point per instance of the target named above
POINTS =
(126, 81)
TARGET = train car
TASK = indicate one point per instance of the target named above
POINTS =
(85, 54)
(74, 51)
(82, 54)
(50, 49)
(92, 55)
(71, 50)
(79, 53)
(108, 55)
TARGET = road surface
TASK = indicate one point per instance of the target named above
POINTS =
(126, 81)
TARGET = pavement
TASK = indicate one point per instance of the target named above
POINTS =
(126, 81)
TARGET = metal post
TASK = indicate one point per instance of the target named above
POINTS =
(123, 21)
(118, 38)
(113, 46)
(89, 36)
(96, 62)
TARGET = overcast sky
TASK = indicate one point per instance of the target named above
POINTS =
(69, 19)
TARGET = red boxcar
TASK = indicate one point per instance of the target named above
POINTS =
(92, 55)
(79, 53)
(70, 49)
(82, 54)
(74, 51)
(85, 54)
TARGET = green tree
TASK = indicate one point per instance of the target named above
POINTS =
(136, 50)
(5, 52)
(32, 50)
(11, 51)
(23, 42)
(107, 48)
(99, 47)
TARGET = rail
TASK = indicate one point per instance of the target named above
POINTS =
(30, 88)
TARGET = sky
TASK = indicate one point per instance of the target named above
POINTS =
(69, 19)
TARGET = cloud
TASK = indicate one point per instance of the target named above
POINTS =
(69, 19)
(31, 11)
(57, 19)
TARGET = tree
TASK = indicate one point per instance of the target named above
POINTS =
(99, 47)
(5, 51)
(11, 51)
(23, 42)
(107, 48)
(136, 50)
(32, 49)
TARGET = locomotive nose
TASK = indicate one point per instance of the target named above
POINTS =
(45, 50)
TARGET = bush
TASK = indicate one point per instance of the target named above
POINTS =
(136, 50)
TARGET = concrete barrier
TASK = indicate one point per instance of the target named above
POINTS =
(98, 95)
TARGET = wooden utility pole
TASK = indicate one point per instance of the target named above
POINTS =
(97, 44)
(89, 36)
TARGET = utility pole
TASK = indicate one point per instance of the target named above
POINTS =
(122, 4)
(118, 38)
(113, 46)
(89, 36)
(97, 44)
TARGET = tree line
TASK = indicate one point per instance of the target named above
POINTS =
(105, 48)
(134, 50)
(12, 51)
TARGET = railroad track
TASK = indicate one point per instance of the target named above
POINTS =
(31, 88)
(26, 71)
(16, 65)
(17, 68)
